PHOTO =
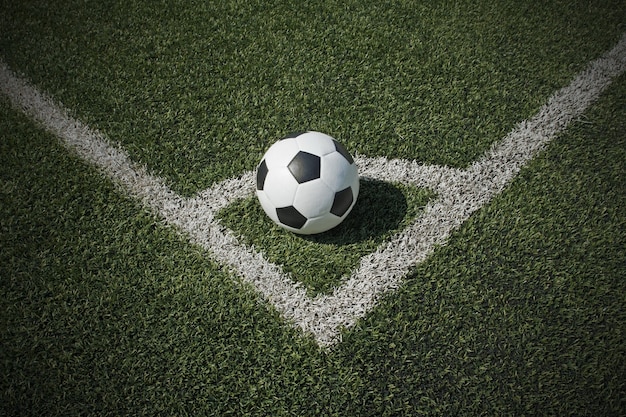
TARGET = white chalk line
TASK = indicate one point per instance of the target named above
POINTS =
(460, 193)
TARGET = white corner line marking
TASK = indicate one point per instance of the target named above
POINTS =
(460, 193)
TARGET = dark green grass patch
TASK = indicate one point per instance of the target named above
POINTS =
(321, 261)
(103, 311)
(523, 312)
(106, 312)
(198, 90)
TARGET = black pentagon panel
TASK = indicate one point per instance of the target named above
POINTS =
(261, 174)
(291, 217)
(305, 167)
(293, 135)
(343, 201)
(343, 151)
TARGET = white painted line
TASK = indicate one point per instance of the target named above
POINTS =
(407, 172)
(88, 144)
(460, 193)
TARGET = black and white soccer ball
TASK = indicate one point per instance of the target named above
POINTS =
(307, 182)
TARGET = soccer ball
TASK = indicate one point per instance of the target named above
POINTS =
(307, 182)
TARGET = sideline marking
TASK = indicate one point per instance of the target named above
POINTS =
(460, 193)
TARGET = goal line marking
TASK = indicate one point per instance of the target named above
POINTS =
(459, 194)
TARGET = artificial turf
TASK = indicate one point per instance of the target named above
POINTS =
(199, 90)
(106, 311)
(322, 261)
(523, 312)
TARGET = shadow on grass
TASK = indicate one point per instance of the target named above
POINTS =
(379, 210)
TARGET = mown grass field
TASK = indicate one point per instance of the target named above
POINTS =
(107, 310)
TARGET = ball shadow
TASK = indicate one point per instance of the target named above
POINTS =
(379, 210)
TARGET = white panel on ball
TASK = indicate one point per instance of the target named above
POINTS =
(321, 224)
(313, 198)
(280, 187)
(282, 153)
(316, 143)
(268, 206)
(337, 172)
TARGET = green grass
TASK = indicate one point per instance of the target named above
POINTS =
(321, 261)
(523, 312)
(199, 90)
(106, 311)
